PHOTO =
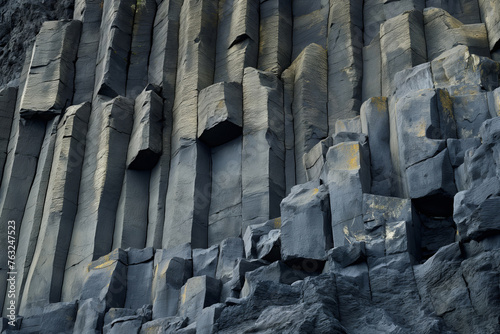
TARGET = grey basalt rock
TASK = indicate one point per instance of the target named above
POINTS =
(491, 17)
(59, 318)
(306, 225)
(90, 316)
(230, 250)
(49, 87)
(372, 70)
(205, 261)
(314, 160)
(464, 10)
(167, 325)
(198, 293)
(7, 105)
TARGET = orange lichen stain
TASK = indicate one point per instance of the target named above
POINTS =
(277, 222)
(446, 102)
(184, 295)
(315, 191)
(380, 103)
(353, 156)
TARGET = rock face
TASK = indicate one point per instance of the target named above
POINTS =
(250, 166)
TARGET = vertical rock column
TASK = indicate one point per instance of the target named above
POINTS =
(188, 195)
(308, 75)
(310, 24)
(263, 155)
(103, 170)
(275, 39)
(114, 47)
(7, 106)
(163, 72)
(490, 15)
(237, 39)
(90, 13)
(59, 212)
(345, 60)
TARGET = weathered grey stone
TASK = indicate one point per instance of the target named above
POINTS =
(131, 324)
(372, 69)
(306, 224)
(275, 38)
(198, 293)
(225, 217)
(309, 106)
(90, 13)
(139, 285)
(467, 11)
(232, 288)
(206, 322)
(49, 87)
(413, 79)
(263, 152)
(237, 39)
(253, 234)
(116, 313)
(470, 111)
(59, 318)
(195, 66)
(310, 24)
(168, 325)
(348, 125)
(102, 174)
(114, 47)
(90, 316)
(403, 46)
(288, 78)
(8, 97)
(491, 17)
(443, 32)
(231, 250)
(220, 113)
(137, 256)
(375, 123)
(314, 160)
(170, 275)
(188, 198)
(269, 246)
(145, 144)
(205, 261)
(345, 256)
(132, 211)
(106, 279)
(140, 47)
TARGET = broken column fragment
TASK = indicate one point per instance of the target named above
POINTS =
(263, 153)
(198, 293)
(237, 39)
(220, 113)
(49, 87)
(275, 39)
(114, 47)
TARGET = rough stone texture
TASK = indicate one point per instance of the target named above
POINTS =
(198, 293)
(310, 24)
(372, 70)
(8, 97)
(491, 17)
(49, 88)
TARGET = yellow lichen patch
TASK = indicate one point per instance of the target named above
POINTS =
(380, 103)
(184, 295)
(315, 191)
(353, 160)
(104, 265)
(446, 102)
(277, 222)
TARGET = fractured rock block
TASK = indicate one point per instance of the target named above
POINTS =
(402, 41)
(220, 113)
(49, 87)
(306, 225)
(275, 39)
(90, 316)
(352, 125)
(58, 318)
(145, 144)
(114, 47)
(205, 261)
(314, 160)
(253, 234)
(139, 284)
(470, 112)
(457, 149)
(263, 152)
(231, 250)
(164, 325)
(467, 11)
(490, 15)
(198, 293)
(443, 32)
(237, 39)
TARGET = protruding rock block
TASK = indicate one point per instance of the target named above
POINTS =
(49, 87)
(470, 111)
(140, 47)
(90, 13)
(59, 318)
(275, 39)
(8, 97)
(306, 223)
(443, 32)
(237, 39)
(308, 77)
(466, 11)
(231, 250)
(220, 113)
(90, 316)
(314, 160)
(139, 277)
(263, 152)
(402, 41)
(253, 234)
(170, 274)
(375, 123)
(114, 47)
(205, 261)
(490, 15)
(145, 144)
(352, 125)
(224, 220)
(107, 279)
(198, 293)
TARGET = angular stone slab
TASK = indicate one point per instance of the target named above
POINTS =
(49, 87)
(114, 47)
(8, 98)
(231, 250)
(59, 318)
(205, 261)
(470, 112)
(224, 220)
(140, 47)
(220, 113)
(139, 285)
(145, 144)
(237, 39)
(90, 13)
(375, 123)
(443, 32)
(188, 198)
(314, 160)
(253, 233)
(402, 41)
(103, 171)
(263, 152)
(275, 39)
(198, 293)
(89, 318)
(306, 224)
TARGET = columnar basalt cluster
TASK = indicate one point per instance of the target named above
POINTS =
(255, 166)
